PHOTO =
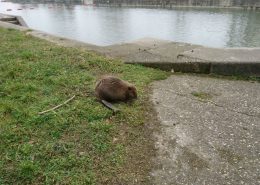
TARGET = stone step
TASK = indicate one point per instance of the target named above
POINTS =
(13, 22)
(7, 19)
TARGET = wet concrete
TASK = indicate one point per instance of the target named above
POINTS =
(210, 131)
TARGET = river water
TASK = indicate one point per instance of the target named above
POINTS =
(104, 26)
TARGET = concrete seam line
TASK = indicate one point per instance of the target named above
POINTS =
(213, 103)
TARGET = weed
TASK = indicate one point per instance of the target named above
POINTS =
(202, 95)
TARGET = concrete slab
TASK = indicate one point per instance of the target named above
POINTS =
(4, 17)
(13, 19)
(21, 21)
(13, 26)
(210, 131)
(173, 49)
(234, 55)
(150, 42)
(145, 57)
(129, 52)
(156, 52)
(122, 50)
(165, 56)
(226, 61)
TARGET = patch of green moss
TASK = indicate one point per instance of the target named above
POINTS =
(202, 95)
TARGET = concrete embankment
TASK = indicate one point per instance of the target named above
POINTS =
(246, 4)
(188, 58)
(13, 19)
(169, 56)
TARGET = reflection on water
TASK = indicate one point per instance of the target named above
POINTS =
(82, 21)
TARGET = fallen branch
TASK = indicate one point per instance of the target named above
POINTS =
(110, 106)
(3, 94)
(58, 106)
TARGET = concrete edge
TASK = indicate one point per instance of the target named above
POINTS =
(13, 26)
(184, 67)
(236, 69)
(62, 41)
(21, 21)
(226, 69)
(225, 66)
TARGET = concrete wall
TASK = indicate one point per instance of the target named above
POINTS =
(253, 4)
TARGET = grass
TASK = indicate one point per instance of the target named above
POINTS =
(202, 95)
(80, 143)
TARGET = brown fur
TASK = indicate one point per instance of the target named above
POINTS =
(113, 89)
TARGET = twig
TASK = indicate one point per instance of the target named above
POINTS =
(58, 106)
(4, 94)
(110, 106)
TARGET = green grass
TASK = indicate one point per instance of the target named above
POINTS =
(202, 95)
(82, 142)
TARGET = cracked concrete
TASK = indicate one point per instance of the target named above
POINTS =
(207, 139)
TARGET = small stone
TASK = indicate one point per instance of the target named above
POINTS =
(114, 140)
(81, 153)
(31, 142)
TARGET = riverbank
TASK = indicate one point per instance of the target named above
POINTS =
(247, 4)
(177, 6)
(169, 56)
(188, 58)
(82, 142)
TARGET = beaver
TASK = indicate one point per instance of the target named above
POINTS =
(113, 89)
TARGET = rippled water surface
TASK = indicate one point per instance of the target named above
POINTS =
(105, 26)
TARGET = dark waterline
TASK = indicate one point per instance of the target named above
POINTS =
(105, 26)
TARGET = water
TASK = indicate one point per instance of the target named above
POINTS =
(105, 26)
